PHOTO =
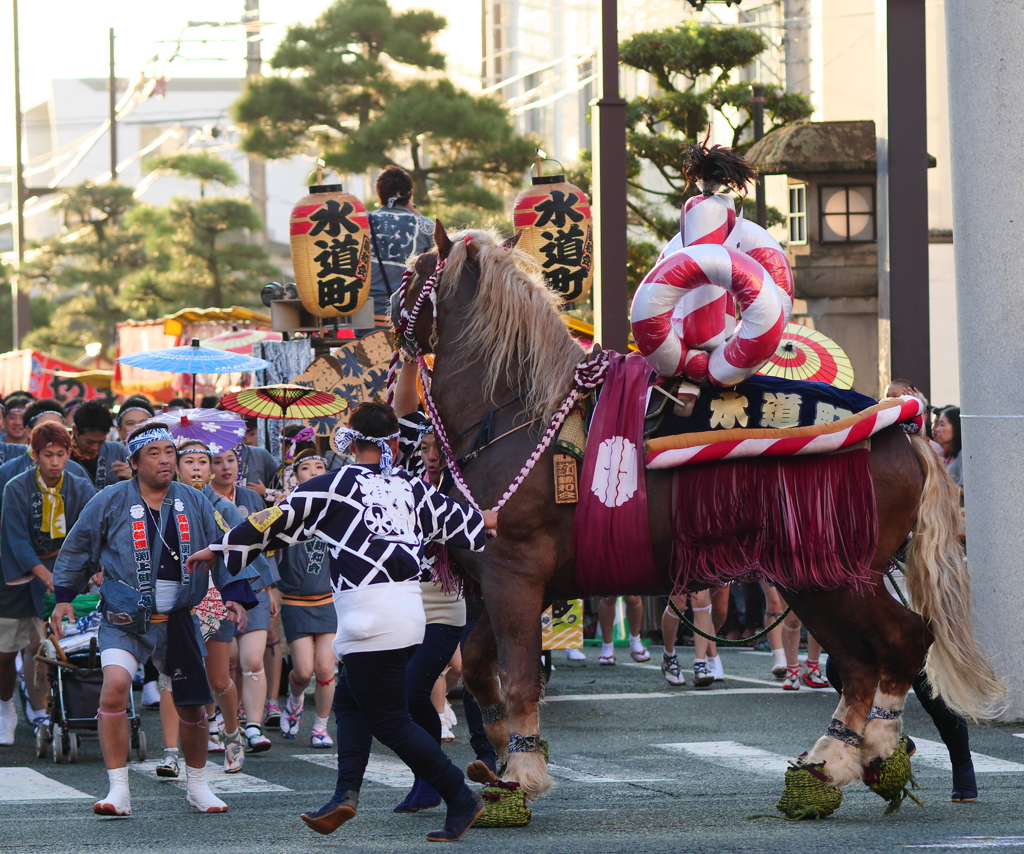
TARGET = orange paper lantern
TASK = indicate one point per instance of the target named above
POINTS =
(330, 238)
(558, 232)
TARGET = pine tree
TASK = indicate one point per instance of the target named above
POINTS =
(364, 86)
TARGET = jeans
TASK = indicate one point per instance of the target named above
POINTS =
(370, 701)
(430, 658)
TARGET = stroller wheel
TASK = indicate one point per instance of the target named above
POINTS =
(72, 748)
(58, 745)
(42, 740)
(141, 748)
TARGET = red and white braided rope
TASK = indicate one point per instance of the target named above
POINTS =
(407, 320)
(588, 375)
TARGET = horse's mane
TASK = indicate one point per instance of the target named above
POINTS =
(515, 323)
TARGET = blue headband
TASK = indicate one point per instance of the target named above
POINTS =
(157, 434)
(345, 436)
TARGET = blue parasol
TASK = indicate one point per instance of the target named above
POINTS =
(193, 359)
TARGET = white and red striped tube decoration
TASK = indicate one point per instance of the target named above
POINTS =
(759, 298)
(702, 318)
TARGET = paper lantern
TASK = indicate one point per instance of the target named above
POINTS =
(558, 232)
(330, 238)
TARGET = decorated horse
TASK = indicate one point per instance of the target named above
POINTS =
(506, 374)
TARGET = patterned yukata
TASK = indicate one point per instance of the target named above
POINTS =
(398, 233)
(227, 516)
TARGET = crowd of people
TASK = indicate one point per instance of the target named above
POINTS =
(323, 551)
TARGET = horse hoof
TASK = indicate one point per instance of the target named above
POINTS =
(809, 793)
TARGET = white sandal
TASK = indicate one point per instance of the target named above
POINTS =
(607, 659)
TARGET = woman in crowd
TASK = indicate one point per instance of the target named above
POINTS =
(310, 622)
(947, 433)
(252, 642)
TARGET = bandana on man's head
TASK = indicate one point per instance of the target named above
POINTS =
(345, 436)
(124, 412)
(147, 437)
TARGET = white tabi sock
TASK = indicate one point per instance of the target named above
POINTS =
(119, 799)
(319, 723)
(199, 794)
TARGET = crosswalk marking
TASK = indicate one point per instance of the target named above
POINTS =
(574, 775)
(25, 784)
(684, 692)
(971, 842)
(380, 769)
(935, 755)
(220, 783)
(733, 755)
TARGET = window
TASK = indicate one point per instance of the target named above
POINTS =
(848, 214)
(797, 213)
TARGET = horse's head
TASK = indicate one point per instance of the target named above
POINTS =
(417, 302)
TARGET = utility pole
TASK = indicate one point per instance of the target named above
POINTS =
(20, 315)
(112, 110)
(254, 69)
(757, 103)
(611, 312)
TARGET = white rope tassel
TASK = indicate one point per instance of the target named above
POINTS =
(254, 674)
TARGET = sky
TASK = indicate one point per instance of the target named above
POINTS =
(65, 39)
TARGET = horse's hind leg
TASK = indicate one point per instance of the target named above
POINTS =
(480, 673)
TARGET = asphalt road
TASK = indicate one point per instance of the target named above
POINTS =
(640, 767)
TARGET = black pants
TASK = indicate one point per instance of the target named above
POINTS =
(370, 701)
(952, 728)
(430, 658)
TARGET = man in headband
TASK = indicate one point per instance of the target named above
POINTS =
(8, 451)
(374, 519)
(40, 506)
(37, 412)
(14, 410)
(135, 410)
(141, 532)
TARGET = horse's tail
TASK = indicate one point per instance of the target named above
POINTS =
(939, 583)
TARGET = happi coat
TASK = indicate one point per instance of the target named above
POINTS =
(111, 532)
(375, 528)
(22, 542)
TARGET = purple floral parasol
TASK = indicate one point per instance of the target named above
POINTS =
(217, 428)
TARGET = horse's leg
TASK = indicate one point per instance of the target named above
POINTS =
(839, 750)
(480, 673)
(517, 632)
(878, 647)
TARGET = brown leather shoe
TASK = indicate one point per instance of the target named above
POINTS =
(333, 814)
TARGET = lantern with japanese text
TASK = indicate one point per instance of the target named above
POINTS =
(330, 239)
(558, 233)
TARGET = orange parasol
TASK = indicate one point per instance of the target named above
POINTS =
(284, 401)
(806, 354)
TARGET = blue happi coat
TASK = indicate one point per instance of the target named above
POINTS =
(22, 541)
(228, 515)
(110, 452)
(112, 533)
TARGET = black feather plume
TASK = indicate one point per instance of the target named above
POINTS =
(716, 167)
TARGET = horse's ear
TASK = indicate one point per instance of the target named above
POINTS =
(441, 239)
(513, 240)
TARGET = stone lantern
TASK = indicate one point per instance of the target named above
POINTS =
(833, 233)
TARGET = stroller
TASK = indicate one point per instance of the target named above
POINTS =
(75, 678)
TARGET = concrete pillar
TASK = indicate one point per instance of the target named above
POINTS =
(986, 111)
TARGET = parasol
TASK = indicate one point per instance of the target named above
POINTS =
(284, 401)
(214, 427)
(193, 359)
(806, 354)
(241, 339)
